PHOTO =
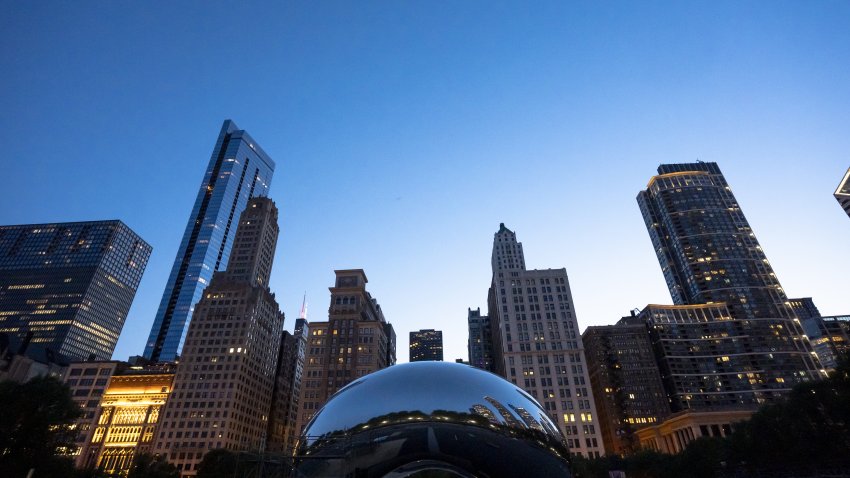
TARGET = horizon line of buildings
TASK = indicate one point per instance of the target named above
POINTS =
(668, 374)
(219, 371)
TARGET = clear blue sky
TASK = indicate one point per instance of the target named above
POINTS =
(405, 132)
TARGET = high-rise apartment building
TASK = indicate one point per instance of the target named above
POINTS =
(626, 382)
(711, 360)
(480, 342)
(238, 170)
(842, 194)
(710, 255)
(224, 385)
(536, 342)
(355, 341)
(426, 344)
(66, 288)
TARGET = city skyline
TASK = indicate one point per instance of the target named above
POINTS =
(374, 164)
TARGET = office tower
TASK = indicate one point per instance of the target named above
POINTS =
(66, 288)
(355, 341)
(625, 380)
(238, 170)
(426, 344)
(480, 342)
(709, 255)
(537, 345)
(287, 389)
(121, 407)
(842, 194)
(225, 379)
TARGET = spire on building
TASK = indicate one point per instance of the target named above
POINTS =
(303, 314)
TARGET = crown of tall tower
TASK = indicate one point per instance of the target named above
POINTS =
(254, 245)
(507, 252)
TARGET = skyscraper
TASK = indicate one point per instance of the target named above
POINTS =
(426, 344)
(355, 341)
(536, 342)
(224, 384)
(480, 342)
(66, 288)
(710, 255)
(626, 382)
(238, 170)
(842, 194)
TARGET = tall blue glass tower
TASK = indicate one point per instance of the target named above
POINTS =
(238, 170)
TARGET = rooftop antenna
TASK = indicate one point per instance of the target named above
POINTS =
(303, 314)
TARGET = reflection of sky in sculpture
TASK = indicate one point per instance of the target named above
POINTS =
(427, 387)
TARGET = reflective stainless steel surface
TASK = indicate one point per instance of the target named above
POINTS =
(425, 417)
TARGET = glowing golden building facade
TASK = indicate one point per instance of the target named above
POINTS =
(129, 414)
(126, 420)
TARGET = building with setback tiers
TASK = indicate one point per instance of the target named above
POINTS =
(625, 380)
(426, 344)
(732, 340)
(223, 389)
(238, 170)
(66, 288)
(355, 341)
(710, 255)
(536, 342)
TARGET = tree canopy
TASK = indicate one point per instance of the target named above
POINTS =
(36, 428)
(808, 429)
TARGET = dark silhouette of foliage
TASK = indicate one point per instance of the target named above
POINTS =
(35, 428)
(219, 463)
(146, 465)
(808, 429)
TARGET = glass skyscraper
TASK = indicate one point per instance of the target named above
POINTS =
(238, 170)
(66, 288)
(710, 255)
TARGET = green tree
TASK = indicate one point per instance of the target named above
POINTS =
(146, 465)
(811, 426)
(218, 463)
(36, 428)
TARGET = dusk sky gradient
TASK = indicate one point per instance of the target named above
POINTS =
(405, 132)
